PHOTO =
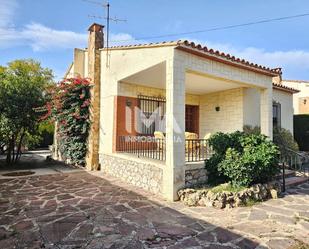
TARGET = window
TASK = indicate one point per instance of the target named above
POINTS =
(276, 114)
(152, 110)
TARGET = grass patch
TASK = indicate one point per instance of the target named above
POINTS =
(226, 187)
(250, 203)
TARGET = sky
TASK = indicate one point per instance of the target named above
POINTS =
(49, 30)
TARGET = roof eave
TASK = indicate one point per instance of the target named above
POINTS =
(285, 89)
(226, 61)
(142, 46)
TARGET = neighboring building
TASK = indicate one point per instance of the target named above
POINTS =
(300, 99)
(196, 89)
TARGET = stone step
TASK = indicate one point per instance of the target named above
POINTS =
(294, 181)
(288, 173)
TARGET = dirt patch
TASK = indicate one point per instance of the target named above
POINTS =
(19, 173)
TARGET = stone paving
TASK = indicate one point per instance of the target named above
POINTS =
(82, 210)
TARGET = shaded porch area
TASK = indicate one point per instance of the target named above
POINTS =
(211, 105)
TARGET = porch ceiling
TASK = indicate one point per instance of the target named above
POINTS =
(151, 77)
(195, 83)
(201, 84)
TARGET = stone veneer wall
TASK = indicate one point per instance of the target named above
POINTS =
(141, 173)
(195, 173)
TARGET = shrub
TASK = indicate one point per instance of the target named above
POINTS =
(220, 142)
(249, 129)
(284, 140)
(243, 159)
(301, 131)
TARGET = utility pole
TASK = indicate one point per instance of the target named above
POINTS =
(108, 19)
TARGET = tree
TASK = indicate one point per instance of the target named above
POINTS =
(22, 90)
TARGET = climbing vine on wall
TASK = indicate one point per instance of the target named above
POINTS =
(69, 106)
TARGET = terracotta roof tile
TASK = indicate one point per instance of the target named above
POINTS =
(198, 47)
(285, 88)
(207, 51)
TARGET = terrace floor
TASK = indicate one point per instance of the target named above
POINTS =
(83, 210)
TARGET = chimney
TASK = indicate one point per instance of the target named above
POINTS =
(278, 79)
(96, 36)
(95, 43)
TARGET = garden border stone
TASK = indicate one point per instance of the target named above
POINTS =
(227, 199)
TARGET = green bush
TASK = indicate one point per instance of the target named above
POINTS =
(301, 131)
(284, 140)
(249, 129)
(242, 159)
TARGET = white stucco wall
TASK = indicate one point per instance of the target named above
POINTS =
(252, 110)
(286, 101)
(303, 87)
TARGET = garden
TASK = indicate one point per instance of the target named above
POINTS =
(241, 172)
(31, 103)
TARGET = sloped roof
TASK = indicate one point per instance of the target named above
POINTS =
(285, 88)
(209, 53)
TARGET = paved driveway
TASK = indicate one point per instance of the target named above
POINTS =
(81, 210)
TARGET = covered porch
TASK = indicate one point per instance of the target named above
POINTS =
(209, 104)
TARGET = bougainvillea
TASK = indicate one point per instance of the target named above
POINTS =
(69, 106)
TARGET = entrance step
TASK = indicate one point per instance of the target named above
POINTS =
(295, 180)
(288, 173)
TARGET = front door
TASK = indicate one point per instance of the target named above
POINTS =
(192, 118)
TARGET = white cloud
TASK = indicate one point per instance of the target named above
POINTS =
(295, 63)
(7, 10)
(124, 39)
(40, 37)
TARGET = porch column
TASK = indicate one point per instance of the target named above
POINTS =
(174, 175)
(266, 112)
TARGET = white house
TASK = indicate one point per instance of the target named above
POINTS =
(196, 90)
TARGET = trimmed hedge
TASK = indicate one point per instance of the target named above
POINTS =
(301, 131)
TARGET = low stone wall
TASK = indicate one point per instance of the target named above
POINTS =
(195, 173)
(226, 199)
(141, 173)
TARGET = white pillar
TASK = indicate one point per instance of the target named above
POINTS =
(266, 112)
(174, 175)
